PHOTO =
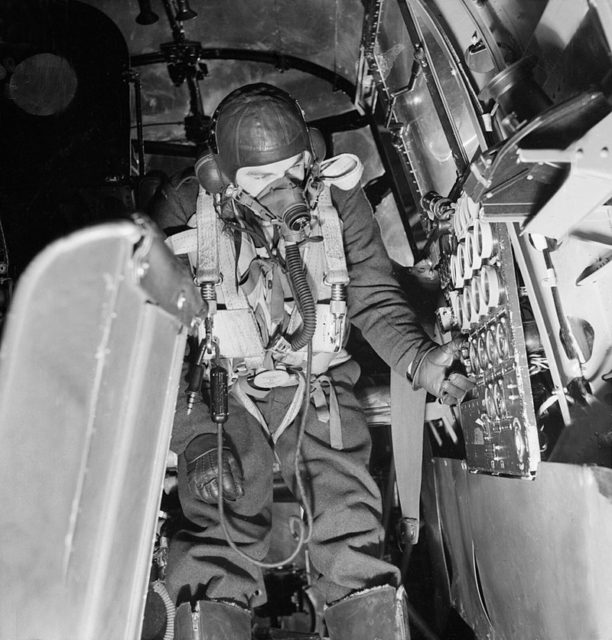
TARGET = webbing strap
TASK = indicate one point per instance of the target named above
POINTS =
(207, 269)
(293, 409)
(328, 261)
(243, 340)
(184, 242)
(250, 406)
(233, 295)
(331, 229)
(407, 419)
(235, 326)
(328, 414)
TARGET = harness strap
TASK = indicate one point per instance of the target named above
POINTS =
(337, 272)
(242, 397)
(292, 412)
(207, 269)
(328, 414)
(233, 295)
(325, 262)
(213, 255)
(184, 242)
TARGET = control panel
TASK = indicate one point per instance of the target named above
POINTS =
(480, 288)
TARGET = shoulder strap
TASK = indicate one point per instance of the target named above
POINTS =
(212, 254)
(331, 229)
(207, 270)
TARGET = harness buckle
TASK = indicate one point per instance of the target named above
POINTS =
(280, 346)
(210, 352)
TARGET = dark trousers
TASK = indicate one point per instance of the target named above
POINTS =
(347, 534)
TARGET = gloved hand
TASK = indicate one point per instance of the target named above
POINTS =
(202, 470)
(432, 374)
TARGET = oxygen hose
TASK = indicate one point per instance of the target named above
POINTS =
(160, 588)
(304, 533)
(303, 296)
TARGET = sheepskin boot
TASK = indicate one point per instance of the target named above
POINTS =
(213, 620)
(374, 614)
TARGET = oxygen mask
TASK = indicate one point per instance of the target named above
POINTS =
(285, 200)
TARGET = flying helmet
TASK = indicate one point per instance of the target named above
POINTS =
(255, 125)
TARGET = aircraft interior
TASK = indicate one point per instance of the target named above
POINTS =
(482, 130)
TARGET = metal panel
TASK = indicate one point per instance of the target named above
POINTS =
(451, 479)
(415, 110)
(460, 103)
(424, 139)
(88, 382)
(541, 547)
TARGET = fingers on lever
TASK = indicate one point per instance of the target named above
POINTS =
(462, 382)
(458, 342)
(454, 388)
(447, 398)
(454, 346)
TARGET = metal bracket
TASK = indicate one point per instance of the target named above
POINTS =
(588, 185)
(409, 530)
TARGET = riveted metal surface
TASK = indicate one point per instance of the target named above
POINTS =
(451, 480)
(88, 380)
(540, 549)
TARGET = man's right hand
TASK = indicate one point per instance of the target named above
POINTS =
(203, 470)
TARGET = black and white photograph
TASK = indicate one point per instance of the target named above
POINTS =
(306, 319)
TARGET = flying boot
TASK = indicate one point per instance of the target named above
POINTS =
(212, 620)
(374, 614)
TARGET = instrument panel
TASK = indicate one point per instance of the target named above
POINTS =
(480, 288)
(473, 256)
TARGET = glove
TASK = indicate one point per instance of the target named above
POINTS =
(202, 470)
(432, 374)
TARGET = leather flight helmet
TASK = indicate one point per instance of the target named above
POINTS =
(258, 124)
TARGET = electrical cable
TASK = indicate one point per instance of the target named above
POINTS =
(295, 523)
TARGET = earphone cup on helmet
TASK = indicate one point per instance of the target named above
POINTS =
(209, 174)
(317, 144)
